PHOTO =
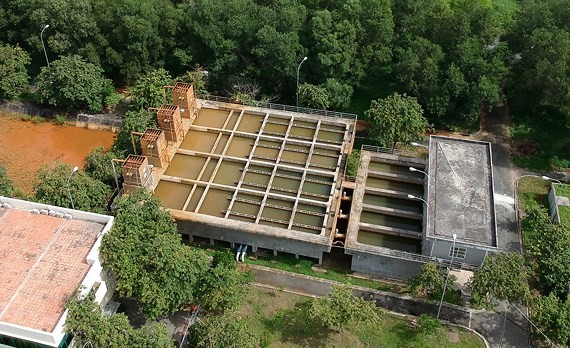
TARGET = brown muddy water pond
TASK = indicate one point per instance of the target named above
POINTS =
(25, 146)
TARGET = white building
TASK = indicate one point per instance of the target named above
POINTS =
(46, 254)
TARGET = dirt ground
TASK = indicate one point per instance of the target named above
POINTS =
(25, 146)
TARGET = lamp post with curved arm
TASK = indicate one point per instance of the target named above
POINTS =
(299, 69)
(43, 45)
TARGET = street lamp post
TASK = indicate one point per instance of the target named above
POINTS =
(418, 198)
(68, 188)
(547, 178)
(412, 169)
(420, 145)
(43, 45)
(447, 276)
(299, 69)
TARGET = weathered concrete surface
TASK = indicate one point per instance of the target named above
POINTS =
(487, 323)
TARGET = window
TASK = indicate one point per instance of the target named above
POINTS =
(458, 253)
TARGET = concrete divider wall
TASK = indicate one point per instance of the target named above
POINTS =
(254, 240)
(384, 266)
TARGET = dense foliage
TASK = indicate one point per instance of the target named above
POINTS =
(227, 330)
(502, 277)
(73, 83)
(547, 247)
(13, 73)
(452, 55)
(223, 287)
(428, 282)
(341, 309)
(85, 322)
(6, 187)
(51, 187)
(148, 258)
(397, 118)
(98, 165)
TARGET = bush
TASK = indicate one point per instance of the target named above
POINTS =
(428, 325)
(60, 119)
(353, 163)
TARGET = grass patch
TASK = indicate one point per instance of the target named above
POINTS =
(563, 211)
(283, 320)
(541, 144)
(533, 190)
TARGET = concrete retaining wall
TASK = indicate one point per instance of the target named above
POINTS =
(384, 266)
(254, 240)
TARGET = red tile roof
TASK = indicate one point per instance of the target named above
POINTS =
(42, 263)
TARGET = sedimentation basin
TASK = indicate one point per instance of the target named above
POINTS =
(261, 177)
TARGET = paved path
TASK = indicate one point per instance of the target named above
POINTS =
(488, 323)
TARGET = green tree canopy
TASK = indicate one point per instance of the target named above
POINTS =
(552, 315)
(72, 82)
(341, 309)
(13, 74)
(549, 246)
(223, 287)
(148, 258)
(85, 322)
(501, 277)
(428, 282)
(148, 90)
(6, 188)
(397, 118)
(227, 330)
(88, 194)
(98, 165)
(133, 121)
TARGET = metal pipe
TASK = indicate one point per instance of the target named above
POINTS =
(133, 140)
(113, 160)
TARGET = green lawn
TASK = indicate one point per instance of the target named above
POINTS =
(533, 189)
(282, 319)
(545, 141)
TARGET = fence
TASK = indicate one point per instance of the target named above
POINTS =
(281, 107)
(392, 151)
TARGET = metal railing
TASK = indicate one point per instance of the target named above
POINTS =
(392, 151)
(423, 258)
(281, 107)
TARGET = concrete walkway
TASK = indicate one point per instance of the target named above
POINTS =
(488, 323)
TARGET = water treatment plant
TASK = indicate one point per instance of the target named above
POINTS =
(273, 177)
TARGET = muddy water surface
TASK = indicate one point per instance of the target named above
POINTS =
(25, 146)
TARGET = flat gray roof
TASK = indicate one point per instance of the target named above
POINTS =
(460, 191)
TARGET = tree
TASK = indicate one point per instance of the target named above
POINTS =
(148, 90)
(72, 82)
(148, 258)
(88, 194)
(85, 322)
(227, 330)
(502, 277)
(6, 188)
(98, 165)
(198, 78)
(397, 118)
(133, 121)
(428, 282)
(549, 246)
(13, 74)
(341, 309)
(552, 316)
(313, 96)
(223, 287)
